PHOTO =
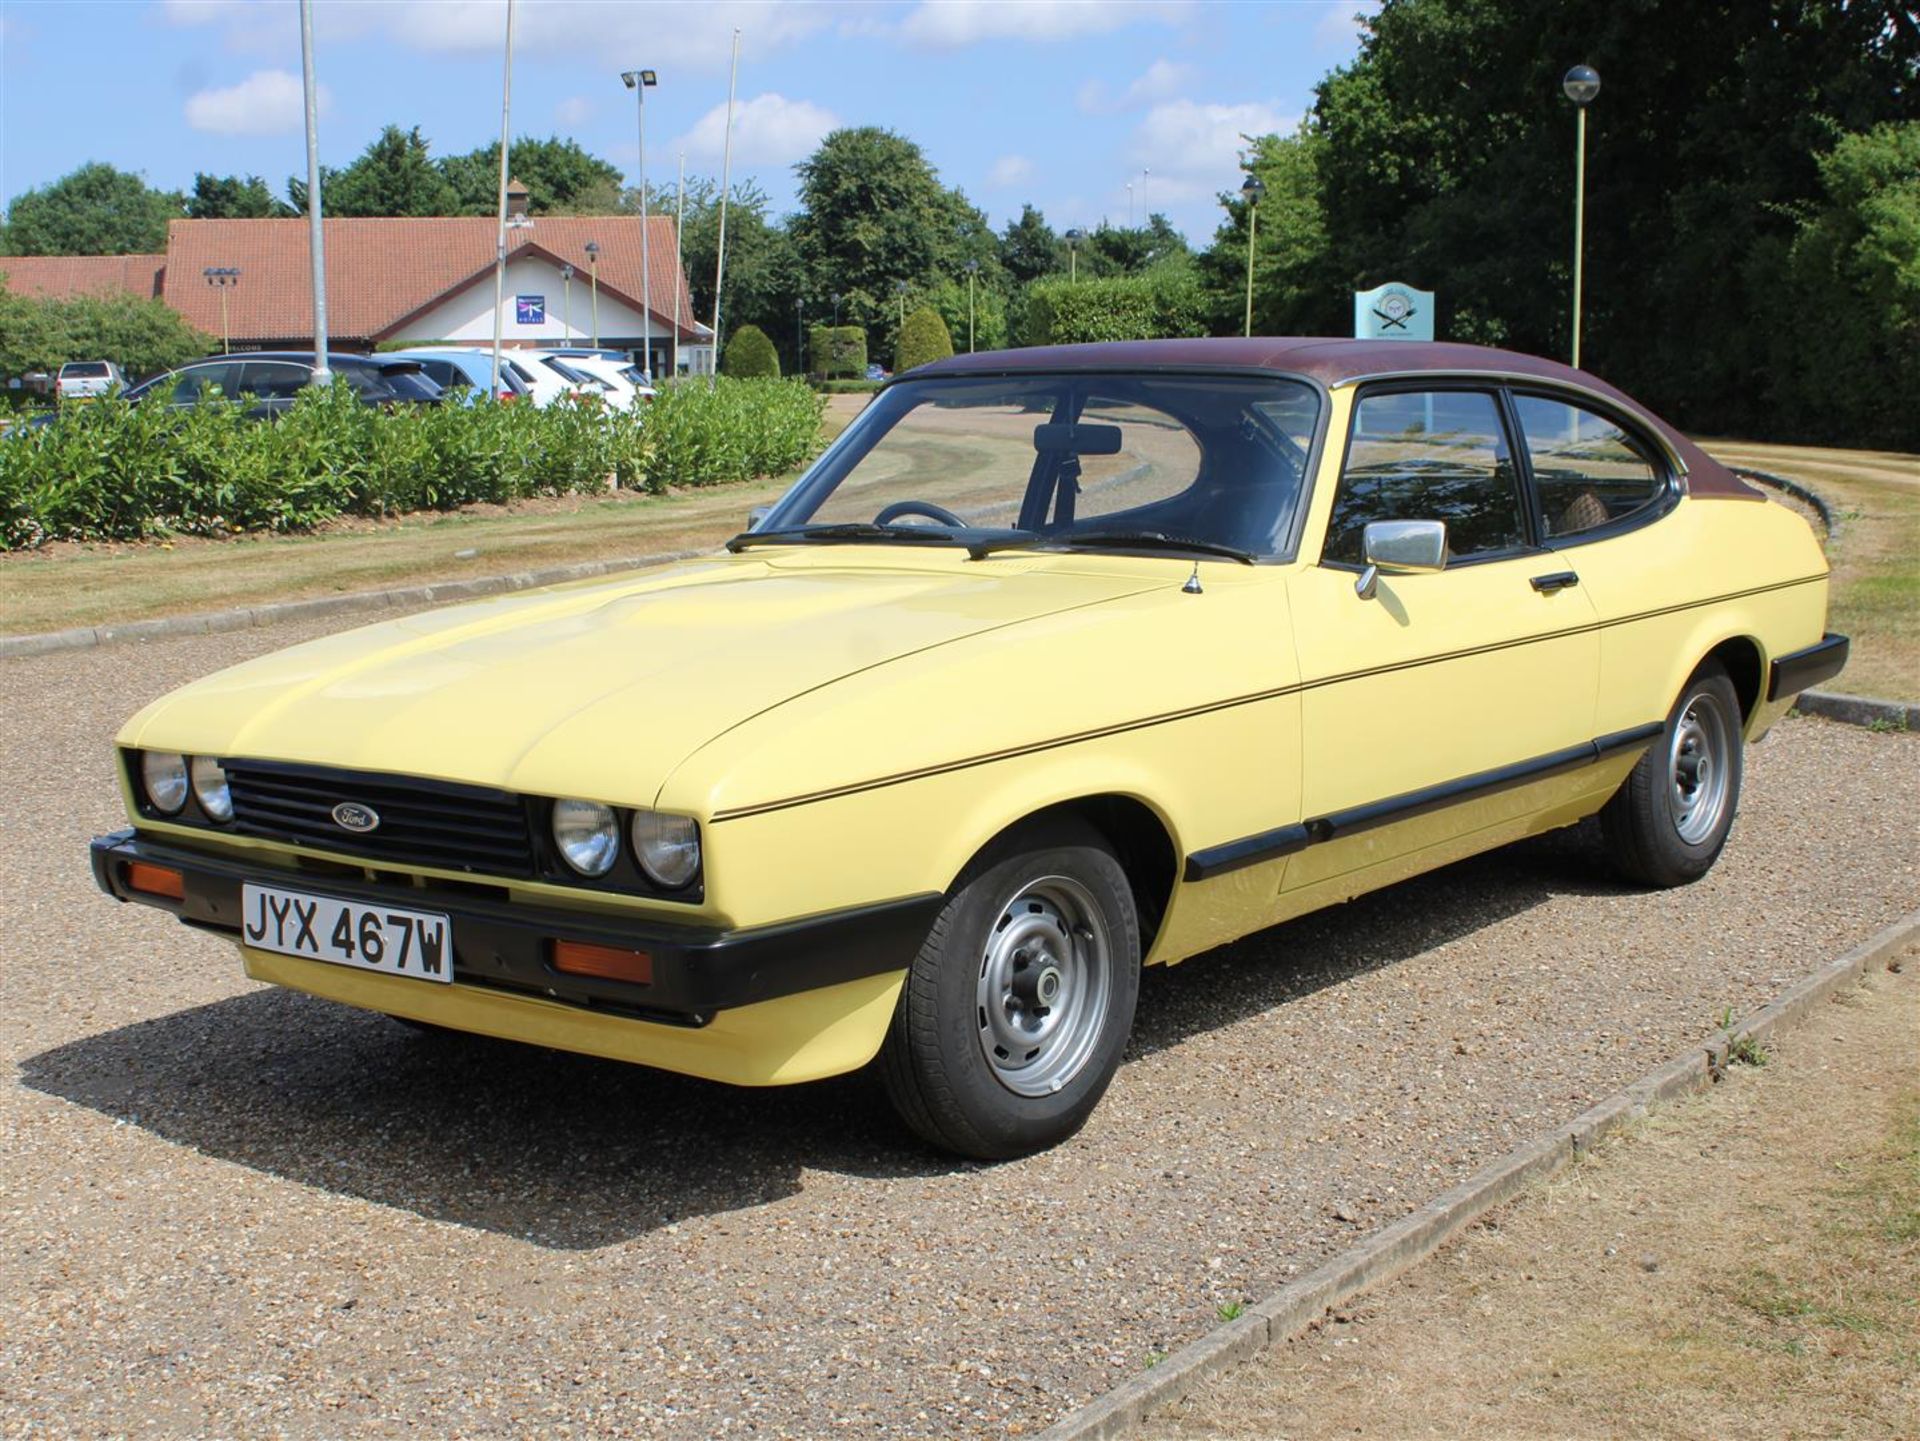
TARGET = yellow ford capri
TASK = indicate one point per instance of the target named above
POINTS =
(1057, 663)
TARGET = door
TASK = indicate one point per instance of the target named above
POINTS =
(1424, 704)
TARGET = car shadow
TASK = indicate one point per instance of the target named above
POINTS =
(575, 1153)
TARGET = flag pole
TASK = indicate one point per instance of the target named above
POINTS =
(500, 240)
(726, 181)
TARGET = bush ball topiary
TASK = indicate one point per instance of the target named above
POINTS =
(750, 356)
(923, 338)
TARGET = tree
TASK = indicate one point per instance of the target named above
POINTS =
(560, 177)
(143, 335)
(1298, 286)
(1029, 250)
(750, 355)
(923, 339)
(234, 197)
(873, 213)
(393, 176)
(95, 210)
(989, 313)
(1704, 151)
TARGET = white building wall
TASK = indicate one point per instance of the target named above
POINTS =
(468, 316)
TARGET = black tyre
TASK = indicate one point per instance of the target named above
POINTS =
(1666, 824)
(1018, 1006)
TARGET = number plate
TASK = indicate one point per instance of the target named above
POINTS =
(373, 937)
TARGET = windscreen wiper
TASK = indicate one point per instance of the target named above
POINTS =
(848, 531)
(1121, 539)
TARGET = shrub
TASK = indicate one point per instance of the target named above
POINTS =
(923, 339)
(113, 471)
(750, 356)
(837, 351)
(1160, 303)
(143, 336)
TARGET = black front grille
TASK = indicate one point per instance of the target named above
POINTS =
(422, 822)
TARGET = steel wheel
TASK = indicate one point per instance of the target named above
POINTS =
(1697, 767)
(1045, 986)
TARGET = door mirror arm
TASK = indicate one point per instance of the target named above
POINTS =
(1400, 547)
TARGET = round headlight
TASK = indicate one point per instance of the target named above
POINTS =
(210, 787)
(668, 847)
(588, 836)
(164, 774)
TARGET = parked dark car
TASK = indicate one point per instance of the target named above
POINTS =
(274, 378)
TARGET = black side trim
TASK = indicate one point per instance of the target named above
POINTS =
(1236, 855)
(1805, 669)
(697, 970)
(1270, 845)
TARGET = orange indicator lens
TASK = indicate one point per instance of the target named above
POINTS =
(156, 881)
(577, 958)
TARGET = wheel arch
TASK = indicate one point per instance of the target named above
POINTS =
(1742, 659)
(1141, 839)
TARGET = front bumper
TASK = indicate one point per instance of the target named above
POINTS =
(508, 946)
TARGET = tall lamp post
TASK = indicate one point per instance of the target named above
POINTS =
(837, 298)
(799, 345)
(316, 244)
(900, 293)
(638, 81)
(593, 277)
(973, 271)
(566, 315)
(1073, 239)
(1253, 188)
(1581, 84)
(1129, 205)
(223, 278)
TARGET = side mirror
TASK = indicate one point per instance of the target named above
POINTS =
(1400, 547)
(756, 515)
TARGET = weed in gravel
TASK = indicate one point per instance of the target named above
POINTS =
(1741, 1050)
(1230, 1311)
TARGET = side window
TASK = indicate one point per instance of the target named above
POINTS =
(273, 379)
(1587, 470)
(1428, 455)
(196, 382)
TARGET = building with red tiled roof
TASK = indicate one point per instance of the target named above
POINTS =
(61, 277)
(428, 279)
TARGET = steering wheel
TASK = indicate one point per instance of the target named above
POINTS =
(933, 512)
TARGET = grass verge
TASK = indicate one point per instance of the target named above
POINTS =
(1875, 554)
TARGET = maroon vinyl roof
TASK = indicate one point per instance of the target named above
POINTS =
(1337, 361)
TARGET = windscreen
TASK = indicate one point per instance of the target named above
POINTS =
(84, 369)
(1218, 459)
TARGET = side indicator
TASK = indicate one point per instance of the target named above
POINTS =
(608, 963)
(152, 880)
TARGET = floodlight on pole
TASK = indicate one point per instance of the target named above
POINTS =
(593, 276)
(639, 82)
(1580, 85)
(1073, 239)
(1253, 188)
(223, 278)
(500, 238)
(566, 315)
(315, 241)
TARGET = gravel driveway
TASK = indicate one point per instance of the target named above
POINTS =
(234, 1211)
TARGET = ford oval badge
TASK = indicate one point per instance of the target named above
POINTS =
(351, 816)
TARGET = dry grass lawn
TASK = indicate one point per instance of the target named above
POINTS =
(1875, 555)
(1746, 1263)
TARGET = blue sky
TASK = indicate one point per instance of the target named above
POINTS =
(1062, 103)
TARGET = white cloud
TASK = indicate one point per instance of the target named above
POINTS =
(1162, 80)
(574, 111)
(1192, 150)
(267, 102)
(767, 130)
(1009, 171)
(950, 24)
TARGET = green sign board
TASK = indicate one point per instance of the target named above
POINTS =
(1393, 312)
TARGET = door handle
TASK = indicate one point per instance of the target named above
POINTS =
(1559, 580)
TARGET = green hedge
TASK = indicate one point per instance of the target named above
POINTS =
(838, 352)
(112, 471)
(750, 355)
(1122, 307)
(923, 339)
